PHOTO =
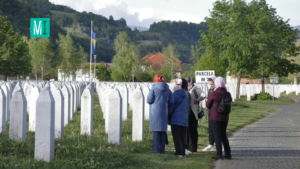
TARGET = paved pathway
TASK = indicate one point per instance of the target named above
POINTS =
(271, 143)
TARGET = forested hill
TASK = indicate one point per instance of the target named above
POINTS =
(63, 19)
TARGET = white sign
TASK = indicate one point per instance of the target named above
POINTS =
(273, 79)
(203, 76)
(27, 77)
(52, 79)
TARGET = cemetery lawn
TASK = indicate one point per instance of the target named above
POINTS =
(292, 94)
(77, 151)
(282, 100)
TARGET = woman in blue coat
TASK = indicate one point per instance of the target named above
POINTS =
(159, 98)
(179, 113)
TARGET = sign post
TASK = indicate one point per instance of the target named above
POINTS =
(202, 77)
(40, 27)
(273, 80)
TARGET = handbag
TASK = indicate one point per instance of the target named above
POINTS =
(200, 113)
(169, 117)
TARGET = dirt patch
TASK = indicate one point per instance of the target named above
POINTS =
(149, 42)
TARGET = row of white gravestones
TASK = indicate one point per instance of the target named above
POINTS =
(47, 114)
(115, 106)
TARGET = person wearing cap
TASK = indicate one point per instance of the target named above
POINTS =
(196, 95)
(159, 98)
(179, 113)
(211, 137)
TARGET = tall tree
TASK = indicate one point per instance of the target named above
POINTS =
(14, 52)
(249, 36)
(170, 63)
(125, 60)
(295, 76)
(70, 58)
(195, 55)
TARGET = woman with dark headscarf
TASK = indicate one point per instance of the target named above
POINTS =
(179, 112)
(197, 95)
(159, 98)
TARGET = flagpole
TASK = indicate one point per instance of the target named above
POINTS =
(91, 50)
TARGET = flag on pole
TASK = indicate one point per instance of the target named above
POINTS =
(93, 43)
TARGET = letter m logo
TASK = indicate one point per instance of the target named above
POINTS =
(39, 27)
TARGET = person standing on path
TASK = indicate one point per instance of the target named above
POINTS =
(159, 98)
(219, 121)
(178, 114)
(211, 137)
(197, 95)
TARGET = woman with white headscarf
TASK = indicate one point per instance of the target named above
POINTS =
(197, 95)
(219, 120)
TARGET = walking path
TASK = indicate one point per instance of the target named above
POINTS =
(271, 143)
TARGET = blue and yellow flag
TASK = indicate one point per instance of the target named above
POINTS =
(93, 43)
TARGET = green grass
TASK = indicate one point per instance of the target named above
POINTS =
(293, 94)
(77, 151)
(282, 100)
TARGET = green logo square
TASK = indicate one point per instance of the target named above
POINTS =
(39, 27)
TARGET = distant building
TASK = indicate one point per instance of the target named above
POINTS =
(157, 61)
(80, 74)
(232, 79)
(46, 76)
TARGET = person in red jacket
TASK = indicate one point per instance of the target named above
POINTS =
(219, 121)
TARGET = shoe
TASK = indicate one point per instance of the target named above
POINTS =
(227, 157)
(208, 148)
(187, 152)
(217, 158)
(179, 155)
(166, 147)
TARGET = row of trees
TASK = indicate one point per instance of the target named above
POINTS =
(127, 64)
(248, 39)
(21, 56)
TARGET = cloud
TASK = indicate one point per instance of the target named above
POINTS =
(114, 8)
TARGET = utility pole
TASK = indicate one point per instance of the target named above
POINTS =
(95, 66)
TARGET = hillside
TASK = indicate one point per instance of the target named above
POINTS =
(64, 19)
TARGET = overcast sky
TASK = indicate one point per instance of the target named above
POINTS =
(146, 12)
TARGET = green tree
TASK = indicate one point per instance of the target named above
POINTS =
(195, 55)
(250, 37)
(102, 73)
(212, 63)
(14, 52)
(170, 63)
(295, 76)
(70, 58)
(42, 54)
(125, 60)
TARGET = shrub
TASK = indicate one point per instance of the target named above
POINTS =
(262, 96)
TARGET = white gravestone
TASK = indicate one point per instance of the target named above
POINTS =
(2, 111)
(66, 95)
(87, 111)
(146, 105)
(71, 102)
(6, 91)
(115, 117)
(32, 111)
(59, 113)
(18, 116)
(138, 115)
(124, 95)
(44, 132)
(108, 90)
(75, 98)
